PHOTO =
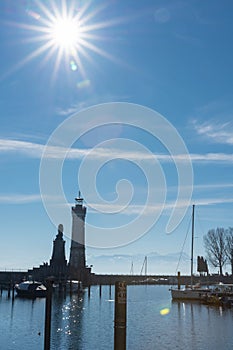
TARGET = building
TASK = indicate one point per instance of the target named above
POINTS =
(58, 262)
(58, 267)
(78, 269)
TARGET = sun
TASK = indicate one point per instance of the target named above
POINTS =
(65, 33)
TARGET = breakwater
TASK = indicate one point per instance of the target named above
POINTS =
(12, 277)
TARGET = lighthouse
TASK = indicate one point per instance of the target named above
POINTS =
(77, 263)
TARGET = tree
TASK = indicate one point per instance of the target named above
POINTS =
(216, 247)
(229, 246)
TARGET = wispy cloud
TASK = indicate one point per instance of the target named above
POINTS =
(26, 148)
(151, 209)
(217, 132)
(24, 198)
(108, 207)
(94, 100)
(35, 150)
(19, 198)
(70, 110)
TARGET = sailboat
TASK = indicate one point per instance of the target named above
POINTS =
(192, 292)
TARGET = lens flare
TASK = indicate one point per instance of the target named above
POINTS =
(83, 84)
(164, 311)
(73, 65)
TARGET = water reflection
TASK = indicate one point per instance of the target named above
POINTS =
(67, 321)
(187, 318)
(87, 323)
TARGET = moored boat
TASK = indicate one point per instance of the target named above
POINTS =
(192, 292)
(220, 295)
(223, 289)
(216, 300)
(189, 293)
(31, 289)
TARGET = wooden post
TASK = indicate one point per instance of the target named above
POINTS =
(48, 309)
(9, 290)
(178, 279)
(60, 287)
(110, 290)
(79, 287)
(13, 292)
(100, 290)
(71, 288)
(120, 316)
(89, 291)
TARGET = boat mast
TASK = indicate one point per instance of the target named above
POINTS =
(131, 270)
(144, 264)
(192, 245)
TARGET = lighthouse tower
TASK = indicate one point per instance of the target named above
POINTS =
(77, 262)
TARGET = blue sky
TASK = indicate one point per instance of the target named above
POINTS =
(173, 57)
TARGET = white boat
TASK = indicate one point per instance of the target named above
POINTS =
(189, 293)
(31, 289)
(192, 292)
(223, 289)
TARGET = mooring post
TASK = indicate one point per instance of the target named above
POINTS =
(178, 279)
(110, 290)
(89, 290)
(60, 286)
(48, 309)
(71, 288)
(1, 290)
(120, 316)
(9, 290)
(100, 290)
(79, 287)
(13, 292)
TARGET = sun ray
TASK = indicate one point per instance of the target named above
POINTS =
(45, 10)
(49, 54)
(29, 27)
(93, 14)
(79, 61)
(28, 58)
(57, 63)
(97, 50)
(105, 24)
(64, 8)
(83, 11)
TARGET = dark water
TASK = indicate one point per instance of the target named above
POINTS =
(87, 324)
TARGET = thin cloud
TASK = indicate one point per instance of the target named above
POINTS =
(19, 198)
(131, 209)
(75, 108)
(29, 149)
(136, 209)
(22, 198)
(35, 150)
(220, 133)
(70, 110)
